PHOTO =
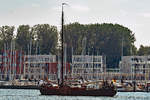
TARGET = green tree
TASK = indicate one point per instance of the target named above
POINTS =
(47, 38)
(103, 39)
(73, 36)
(23, 38)
(6, 36)
(144, 50)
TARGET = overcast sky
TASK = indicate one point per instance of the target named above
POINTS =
(134, 14)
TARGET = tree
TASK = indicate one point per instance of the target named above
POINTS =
(144, 50)
(73, 36)
(47, 38)
(6, 36)
(103, 39)
(23, 38)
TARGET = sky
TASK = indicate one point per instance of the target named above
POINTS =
(134, 14)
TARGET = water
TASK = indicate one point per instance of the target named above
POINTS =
(14, 94)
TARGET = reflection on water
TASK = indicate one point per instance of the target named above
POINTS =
(14, 94)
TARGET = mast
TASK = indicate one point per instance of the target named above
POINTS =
(62, 51)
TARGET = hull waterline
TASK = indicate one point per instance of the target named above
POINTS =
(68, 91)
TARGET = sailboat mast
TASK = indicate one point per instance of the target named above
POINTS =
(62, 51)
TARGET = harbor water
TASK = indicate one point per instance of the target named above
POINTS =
(19, 94)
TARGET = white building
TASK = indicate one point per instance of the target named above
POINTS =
(36, 66)
(135, 67)
(87, 66)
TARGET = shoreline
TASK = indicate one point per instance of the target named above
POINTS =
(34, 87)
(20, 87)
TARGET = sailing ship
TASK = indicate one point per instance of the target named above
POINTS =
(65, 89)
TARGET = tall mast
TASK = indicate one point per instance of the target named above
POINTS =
(62, 51)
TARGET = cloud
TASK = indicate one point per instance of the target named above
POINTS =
(123, 12)
(146, 15)
(56, 8)
(35, 5)
(80, 8)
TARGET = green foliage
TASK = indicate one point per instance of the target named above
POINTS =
(43, 38)
(144, 50)
(47, 38)
(106, 39)
(102, 39)
(23, 38)
(6, 36)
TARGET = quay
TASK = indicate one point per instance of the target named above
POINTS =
(18, 85)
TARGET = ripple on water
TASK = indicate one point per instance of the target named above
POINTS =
(17, 94)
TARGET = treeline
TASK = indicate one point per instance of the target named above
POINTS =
(143, 50)
(41, 38)
(110, 40)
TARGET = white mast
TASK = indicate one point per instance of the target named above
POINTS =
(10, 75)
(28, 63)
(20, 62)
(5, 59)
(83, 56)
(65, 60)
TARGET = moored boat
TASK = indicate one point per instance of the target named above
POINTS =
(67, 90)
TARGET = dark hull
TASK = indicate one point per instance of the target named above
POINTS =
(67, 91)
